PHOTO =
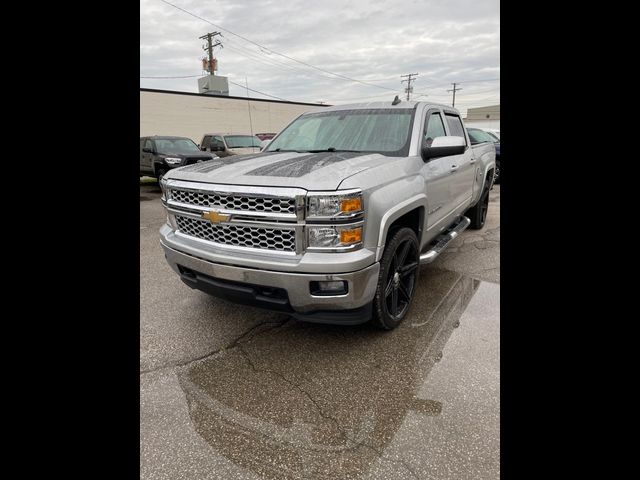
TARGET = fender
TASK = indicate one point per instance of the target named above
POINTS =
(393, 214)
(488, 166)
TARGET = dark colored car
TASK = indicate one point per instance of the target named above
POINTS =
(158, 154)
(479, 136)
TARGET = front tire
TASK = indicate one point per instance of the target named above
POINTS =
(399, 269)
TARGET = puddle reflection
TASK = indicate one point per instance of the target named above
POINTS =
(309, 400)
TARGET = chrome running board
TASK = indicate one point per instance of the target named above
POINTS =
(441, 242)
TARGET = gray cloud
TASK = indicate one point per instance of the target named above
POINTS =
(373, 41)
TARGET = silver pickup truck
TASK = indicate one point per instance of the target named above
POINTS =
(332, 220)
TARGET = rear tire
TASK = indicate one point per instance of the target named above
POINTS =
(399, 270)
(478, 213)
(497, 172)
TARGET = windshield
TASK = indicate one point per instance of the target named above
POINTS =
(176, 145)
(242, 141)
(380, 130)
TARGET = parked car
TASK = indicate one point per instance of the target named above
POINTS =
(478, 135)
(492, 131)
(159, 154)
(264, 143)
(332, 221)
(225, 145)
(265, 136)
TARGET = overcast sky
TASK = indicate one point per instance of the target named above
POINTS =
(374, 41)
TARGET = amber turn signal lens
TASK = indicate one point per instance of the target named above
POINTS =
(353, 235)
(351, 205)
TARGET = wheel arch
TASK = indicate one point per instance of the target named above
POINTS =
(410, 213)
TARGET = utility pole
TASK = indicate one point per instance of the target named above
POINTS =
(454, 89)
(409, 88)
(209, 47)
(246, 82)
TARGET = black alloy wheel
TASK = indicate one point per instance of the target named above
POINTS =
(399, 269)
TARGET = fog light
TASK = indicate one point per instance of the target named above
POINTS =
(339, 287)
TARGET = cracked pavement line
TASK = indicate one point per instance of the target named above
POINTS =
(234, 343)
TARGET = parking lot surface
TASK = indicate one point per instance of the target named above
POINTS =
(229, 391)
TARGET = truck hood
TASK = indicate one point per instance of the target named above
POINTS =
(311, 171)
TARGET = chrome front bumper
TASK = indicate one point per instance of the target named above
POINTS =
(361, 283)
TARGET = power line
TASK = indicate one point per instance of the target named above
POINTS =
(468, 92)
(271, 63)
(261, 93)
(363, 98)
(237, 84)
(184, 76)
(277, 53)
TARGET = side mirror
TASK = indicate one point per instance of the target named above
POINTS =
(443, 147)
(147, 150)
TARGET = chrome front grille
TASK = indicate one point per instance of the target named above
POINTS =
(276, 239)
(245, 203)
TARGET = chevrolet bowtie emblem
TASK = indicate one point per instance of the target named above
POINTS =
(215, 217)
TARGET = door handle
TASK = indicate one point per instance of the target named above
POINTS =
(472, 161)
(454, 168)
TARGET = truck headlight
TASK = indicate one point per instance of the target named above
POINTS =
(172, 160)
(334, 204)
(334, 236)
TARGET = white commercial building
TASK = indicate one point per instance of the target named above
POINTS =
(164, 112)
(483, 117)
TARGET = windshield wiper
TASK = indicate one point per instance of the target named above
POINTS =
(332, 149)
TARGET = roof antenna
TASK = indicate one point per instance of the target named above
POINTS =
(395, 101)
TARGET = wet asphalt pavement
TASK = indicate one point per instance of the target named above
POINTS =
(229, 391)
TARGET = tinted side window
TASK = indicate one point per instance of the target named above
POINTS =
(455, 126)
(434, 128)
(478, 136)
(148, 144)
(205, 141)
